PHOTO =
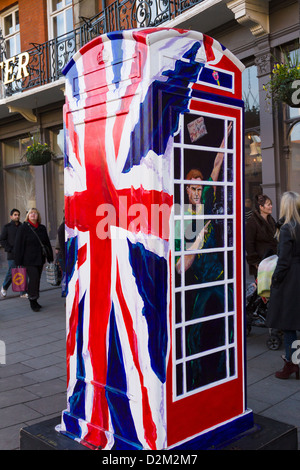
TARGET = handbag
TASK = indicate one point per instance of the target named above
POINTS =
(19, 279)
(265, 272)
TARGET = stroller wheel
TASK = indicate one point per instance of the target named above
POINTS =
(274, 342)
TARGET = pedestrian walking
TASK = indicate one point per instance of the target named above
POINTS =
(283, 309)
(7, 240)
(32, 248)
(260, 230)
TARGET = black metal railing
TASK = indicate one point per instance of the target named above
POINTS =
(47, 60)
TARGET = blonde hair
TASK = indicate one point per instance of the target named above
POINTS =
(33, 209)
(290, 209)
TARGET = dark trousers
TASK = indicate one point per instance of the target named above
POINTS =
(34, 276)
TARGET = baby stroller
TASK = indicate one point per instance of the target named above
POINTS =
(256, 312)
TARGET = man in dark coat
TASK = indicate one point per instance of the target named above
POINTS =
(7, 240)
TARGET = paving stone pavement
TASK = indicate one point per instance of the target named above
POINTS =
(33, 379)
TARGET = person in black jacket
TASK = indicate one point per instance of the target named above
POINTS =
(32, 248)
(260, 229)
(283, 307)
(7, 240)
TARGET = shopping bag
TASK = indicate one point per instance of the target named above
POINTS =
(265, 272)
(52, 274)
(19, 279)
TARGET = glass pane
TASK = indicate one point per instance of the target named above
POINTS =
(294, 161)
(203, 199)
(202, 160)
(57, 142)
(69, 20)
(17, 44)
(251, 96)
(205, 336)
(58, 25)
(253, 165)
(8, 25)
(13, 46)
(59, 189)
(17, 25)
(205, 370)
(179, 379)
(178, 343)
(20, 188)
(178, 307)
(11, 153)
(203, 130)
(207, 267)
(57, 5)
(203, 302)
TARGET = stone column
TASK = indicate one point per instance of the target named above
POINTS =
(269, 140)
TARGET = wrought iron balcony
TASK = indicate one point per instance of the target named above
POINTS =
(47, 60)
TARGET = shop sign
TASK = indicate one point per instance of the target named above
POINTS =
(8, 67)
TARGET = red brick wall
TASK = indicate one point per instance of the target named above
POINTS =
(33, 22)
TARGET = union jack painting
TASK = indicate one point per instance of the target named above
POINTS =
(125, 95)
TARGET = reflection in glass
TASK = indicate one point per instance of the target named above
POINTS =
(205, 335)
(294, 161)
(210, 368)
(202, 302)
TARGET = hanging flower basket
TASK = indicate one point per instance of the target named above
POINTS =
(38, 154)
(284, 84)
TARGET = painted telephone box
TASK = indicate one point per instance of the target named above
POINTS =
(154, 237)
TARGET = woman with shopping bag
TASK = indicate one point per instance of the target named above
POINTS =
(283, 308)
(32, 248)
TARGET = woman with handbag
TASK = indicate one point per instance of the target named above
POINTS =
(32, 248)
(283, 308)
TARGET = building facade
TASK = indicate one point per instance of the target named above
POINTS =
(39, 37)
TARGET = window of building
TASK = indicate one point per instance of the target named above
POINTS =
(11, 32)
(60, 19)
(294, 112)
(61, 14)
(19, 177)
(293, 162)
(253, 157)
(253, 164)
(204, 323)
(55, 180)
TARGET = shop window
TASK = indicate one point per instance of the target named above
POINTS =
(56, 186)
(19, 177)
(253, 165)
(251, 96)
(294, 112)
(253, 158)
(293, 172)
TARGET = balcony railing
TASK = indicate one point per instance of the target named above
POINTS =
(47, 60)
